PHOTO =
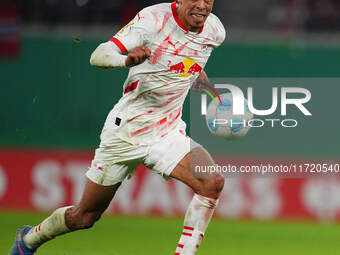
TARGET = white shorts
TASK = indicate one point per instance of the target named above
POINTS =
(115, 159)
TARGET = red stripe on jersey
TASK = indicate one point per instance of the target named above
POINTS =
(142, 130)
(165, 20)
(174, 12)
(131, 87)
(180, 246)
(189, 228)
(180, 49)
(170, 100)
(170, 123)
(119, 44)
(178, 114)
(186, 234)
(177, 253)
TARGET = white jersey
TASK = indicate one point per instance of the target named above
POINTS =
(154, 91)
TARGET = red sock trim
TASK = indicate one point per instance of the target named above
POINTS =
(189, 228)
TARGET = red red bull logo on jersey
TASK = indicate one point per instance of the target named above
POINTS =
(185, 68)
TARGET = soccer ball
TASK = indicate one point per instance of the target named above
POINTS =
(223, 123)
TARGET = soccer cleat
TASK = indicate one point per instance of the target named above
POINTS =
(19, 247)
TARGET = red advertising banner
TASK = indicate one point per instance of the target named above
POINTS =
(10, 41)
(44, 180)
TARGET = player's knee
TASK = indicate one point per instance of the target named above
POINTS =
(219, 183)
(211, 187)
(89, 219)
(77, 219)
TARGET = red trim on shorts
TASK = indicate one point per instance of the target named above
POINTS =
(119, 44)
(131, 87)
(180, 246)
(180, 24)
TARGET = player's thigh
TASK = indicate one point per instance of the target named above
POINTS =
(205, 184)
(95, 199)
(115, 160)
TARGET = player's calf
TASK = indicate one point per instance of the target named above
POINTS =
(207, 188)
(51, 227)
(77, 219)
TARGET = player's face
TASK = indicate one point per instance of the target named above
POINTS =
(193, 13)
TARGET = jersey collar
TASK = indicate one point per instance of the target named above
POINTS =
(179, 23)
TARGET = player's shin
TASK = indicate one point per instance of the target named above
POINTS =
(196, 221)
(51, 227)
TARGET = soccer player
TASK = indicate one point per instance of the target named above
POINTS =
(166, 47)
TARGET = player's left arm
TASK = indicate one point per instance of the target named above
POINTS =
(217, 40)
(201, 82)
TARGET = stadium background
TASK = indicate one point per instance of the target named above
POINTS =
(53, 105)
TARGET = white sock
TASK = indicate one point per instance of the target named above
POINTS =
(196, 221)
(51, 227)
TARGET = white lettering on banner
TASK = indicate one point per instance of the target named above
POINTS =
(239, 106)
(263, 202)
(3, 182)
(182, 197)
(48, 192)
(154, 194)
(123, 198)
(321, 198)
(233, 201)
(76, 172)
(267, 200)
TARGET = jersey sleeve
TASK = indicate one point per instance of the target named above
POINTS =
(136, 33)
(218, 31)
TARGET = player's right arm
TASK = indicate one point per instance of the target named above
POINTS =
(107, 55)
(131, 39)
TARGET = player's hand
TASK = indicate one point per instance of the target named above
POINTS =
(200, 82)
(137, 56)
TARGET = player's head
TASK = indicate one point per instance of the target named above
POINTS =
(193, 13)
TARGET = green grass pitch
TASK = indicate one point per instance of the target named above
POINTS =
(121, 235)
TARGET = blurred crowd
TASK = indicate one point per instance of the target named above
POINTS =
(285, 15)
(309, 15)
